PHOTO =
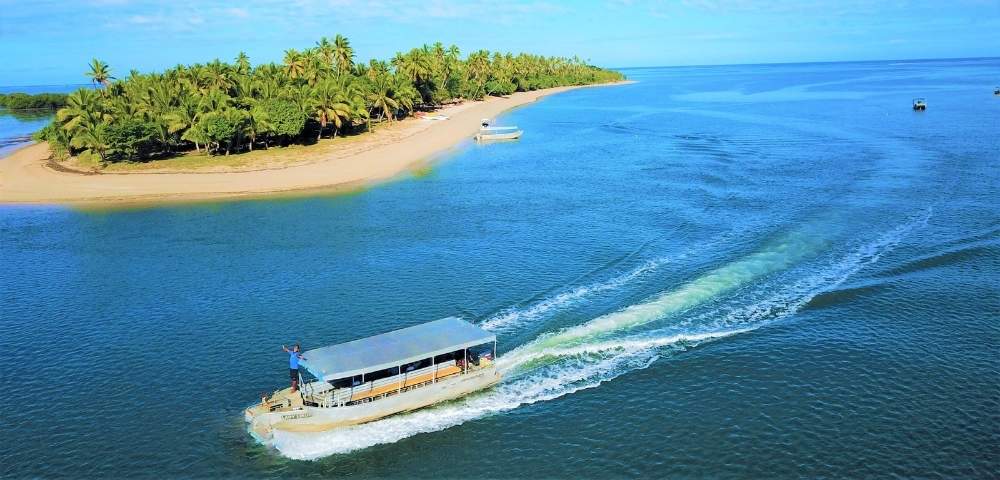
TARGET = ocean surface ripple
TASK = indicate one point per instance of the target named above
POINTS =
(770, 271)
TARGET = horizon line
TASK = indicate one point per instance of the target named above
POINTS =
(804, 63)
(646, 67)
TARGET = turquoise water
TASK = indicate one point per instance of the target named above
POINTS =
(742, 271)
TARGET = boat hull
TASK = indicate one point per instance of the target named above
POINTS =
(262, 425)
(484, 137)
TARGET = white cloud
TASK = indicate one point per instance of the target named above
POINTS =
(410, 11)
(238, 12)
(144, 19)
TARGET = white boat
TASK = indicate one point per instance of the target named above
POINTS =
(486, 132)
(374, 377)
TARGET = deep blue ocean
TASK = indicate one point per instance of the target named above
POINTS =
(761, 271)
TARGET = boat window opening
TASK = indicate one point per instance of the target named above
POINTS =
(346, 382)
(409, 367)
(481, 352)
(380, 374)
(447, 357)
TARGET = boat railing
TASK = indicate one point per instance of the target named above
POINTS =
(381, 388)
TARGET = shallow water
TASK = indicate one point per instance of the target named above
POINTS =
(16, 126)
(743, 271)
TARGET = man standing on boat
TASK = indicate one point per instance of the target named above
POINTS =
(293, 364)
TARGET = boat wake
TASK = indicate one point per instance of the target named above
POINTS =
(512, 318)
(585, 356)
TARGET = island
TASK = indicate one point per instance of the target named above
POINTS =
(318, 120)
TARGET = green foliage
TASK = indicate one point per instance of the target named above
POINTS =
(280, 118)
(224, 129)
(236, 107)
(130, 139)
(22, 101)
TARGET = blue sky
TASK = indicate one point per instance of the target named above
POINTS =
(50, 42)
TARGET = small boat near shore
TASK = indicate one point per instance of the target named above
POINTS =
(371, 378)
(488, 133)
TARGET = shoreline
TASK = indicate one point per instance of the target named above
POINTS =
(27, 176)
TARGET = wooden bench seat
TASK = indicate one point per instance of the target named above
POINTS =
(418, 379)
(374, 392)
(447, 371)
(389, 385)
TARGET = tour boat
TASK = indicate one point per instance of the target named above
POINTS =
(371, 378)
(919, 104)
(486, 132)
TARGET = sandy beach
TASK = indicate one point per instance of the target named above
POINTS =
(27, 175)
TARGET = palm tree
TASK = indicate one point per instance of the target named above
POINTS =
(414, 65)
(196, 135)
(99, 72)
(343, 54)
(315, 70)
(260, 124)
(330, 105)
(478, 70)
(90, 136)
(295, 63)
(214, 101)
(301, 97)
(326, 51)
(240, 118)
(242, 63)
(82, 106)
(184, 118)
(380, 99)
(405, 94)
(218, 75)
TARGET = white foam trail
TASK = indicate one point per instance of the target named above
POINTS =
(511, 318)
(790, 299)
(509, 364)
(507, 319)
(543, 370)
(774, 257)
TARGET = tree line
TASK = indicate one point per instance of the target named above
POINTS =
(223, 108)
(24, 101)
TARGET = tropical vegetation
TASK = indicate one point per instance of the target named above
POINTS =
(224, 108)
(25, 101)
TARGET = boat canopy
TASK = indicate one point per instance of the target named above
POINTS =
(394, 348)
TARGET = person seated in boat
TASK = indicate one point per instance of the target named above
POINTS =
(293, 364)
